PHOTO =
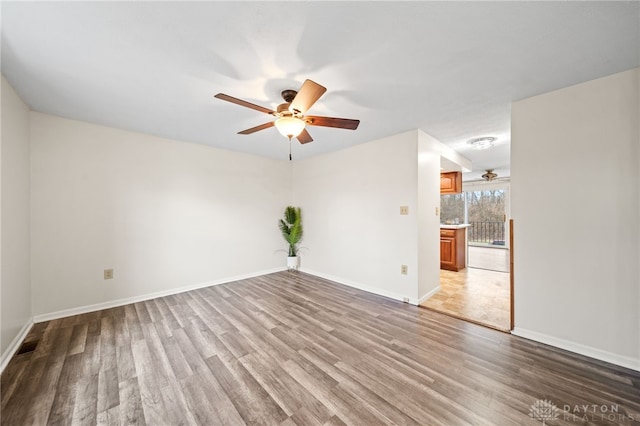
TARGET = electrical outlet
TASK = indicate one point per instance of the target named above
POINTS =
(108, 274)
(403, 269)
(404, 210)
(405, 299)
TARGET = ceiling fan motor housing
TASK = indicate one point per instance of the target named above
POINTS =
(288, 95)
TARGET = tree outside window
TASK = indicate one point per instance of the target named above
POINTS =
(484, 210)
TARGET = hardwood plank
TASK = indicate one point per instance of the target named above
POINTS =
(198, 403)
(125, 362)
(61, 411)
(176, 406)
(149, 378)
(13, 378)
(143, 313)
(108, 389)
(131, 411)
(312, 413)
(335, 421)
(120, 326)
(179, 365)
(166, 313)
(78, 338)
(281, 387)
(111, 417)
(85, 410)
(133, 322)
(252, 402)
(38, 412)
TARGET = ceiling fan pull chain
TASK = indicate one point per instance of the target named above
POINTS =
(289, 147)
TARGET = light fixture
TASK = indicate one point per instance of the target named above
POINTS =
(482, 143)
(489, 176)
(289, 127)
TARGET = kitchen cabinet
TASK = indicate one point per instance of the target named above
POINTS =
(453, 249)
(451, 183)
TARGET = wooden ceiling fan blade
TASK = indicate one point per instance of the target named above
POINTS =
(257, 128)
(243, 103)
(341, 123)
(304, 137)
(308, 94)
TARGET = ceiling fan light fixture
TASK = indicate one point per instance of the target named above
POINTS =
(489, 175)
(289, 127)
(482, 143)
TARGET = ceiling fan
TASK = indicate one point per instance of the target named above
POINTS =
(290, 118)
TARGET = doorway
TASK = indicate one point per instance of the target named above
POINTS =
(481, 292)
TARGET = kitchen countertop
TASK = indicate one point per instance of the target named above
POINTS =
(462, 225)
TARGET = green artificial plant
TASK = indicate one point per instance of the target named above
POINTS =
(291, 228)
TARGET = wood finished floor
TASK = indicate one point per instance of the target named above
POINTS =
(473, 294)
(292, 349)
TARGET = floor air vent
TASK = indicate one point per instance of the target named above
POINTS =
(27, 347)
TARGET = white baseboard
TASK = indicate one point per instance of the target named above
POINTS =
(360, 286)
(15, 345)
(134, 299)
(429, 294)
(599, 354)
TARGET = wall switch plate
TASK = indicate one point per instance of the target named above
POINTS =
(404, 210)
(437, 211)
(403, 269)
(108, 274)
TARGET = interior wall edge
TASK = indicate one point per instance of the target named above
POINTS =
(15, 187)
(429, 294)
(591, 352)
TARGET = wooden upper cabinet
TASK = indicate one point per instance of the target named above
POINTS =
(451, 183)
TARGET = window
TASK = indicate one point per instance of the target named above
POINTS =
(483, 209)
(486, 213)
(452, 208)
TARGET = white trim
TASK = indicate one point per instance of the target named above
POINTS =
(599, 354)
(15, 345)
(429, 294)
(475, 185)
(134, 299)
(363, 287)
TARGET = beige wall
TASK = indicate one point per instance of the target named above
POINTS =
(14, 224)
(575, 204)
(163, 214)
(354, 233)
(350, 200)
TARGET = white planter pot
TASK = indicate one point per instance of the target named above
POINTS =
(292, 263)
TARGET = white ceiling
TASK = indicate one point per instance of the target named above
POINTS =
(451, 69)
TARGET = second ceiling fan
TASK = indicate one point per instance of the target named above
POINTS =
(290, 118)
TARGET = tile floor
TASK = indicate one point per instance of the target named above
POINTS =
(474, 294)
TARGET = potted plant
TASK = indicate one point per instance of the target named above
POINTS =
(291, 228)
